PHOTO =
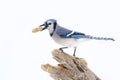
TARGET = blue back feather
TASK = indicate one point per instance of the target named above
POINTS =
(63, 32)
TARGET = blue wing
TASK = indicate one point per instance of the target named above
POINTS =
(65, 33)
(76, 35)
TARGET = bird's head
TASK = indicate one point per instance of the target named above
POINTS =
(49, 24)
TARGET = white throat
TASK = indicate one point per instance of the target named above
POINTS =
(51, 28)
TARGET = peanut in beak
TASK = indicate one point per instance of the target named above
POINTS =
(37, 29)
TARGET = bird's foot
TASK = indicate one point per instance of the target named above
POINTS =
(61, 49)
(74, 51)
(74, 54)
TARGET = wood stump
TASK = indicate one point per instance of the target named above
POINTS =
(69, 68)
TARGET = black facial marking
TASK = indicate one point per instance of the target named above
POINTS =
(54, 27)
(49, 23)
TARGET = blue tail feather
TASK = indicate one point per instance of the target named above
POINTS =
(99, 38)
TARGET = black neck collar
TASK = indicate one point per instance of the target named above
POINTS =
(54, 28)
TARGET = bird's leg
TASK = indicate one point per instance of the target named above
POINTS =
(74, 51)
(62, 48)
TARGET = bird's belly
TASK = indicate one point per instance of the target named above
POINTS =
(68, 42)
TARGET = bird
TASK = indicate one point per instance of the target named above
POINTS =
(66, 37)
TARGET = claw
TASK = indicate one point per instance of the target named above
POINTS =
(61, 49)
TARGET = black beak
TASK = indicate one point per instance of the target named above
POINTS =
(45, 26)
(42, 25)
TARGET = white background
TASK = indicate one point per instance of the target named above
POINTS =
(22, 52)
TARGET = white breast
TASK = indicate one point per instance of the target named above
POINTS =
(68, 42)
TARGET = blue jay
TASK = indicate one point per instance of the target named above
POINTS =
(66, 37)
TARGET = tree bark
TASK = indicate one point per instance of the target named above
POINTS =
(69, 68)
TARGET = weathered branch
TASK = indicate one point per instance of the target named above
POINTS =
(70, 68)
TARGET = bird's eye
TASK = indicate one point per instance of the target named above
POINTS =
(49, 23)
